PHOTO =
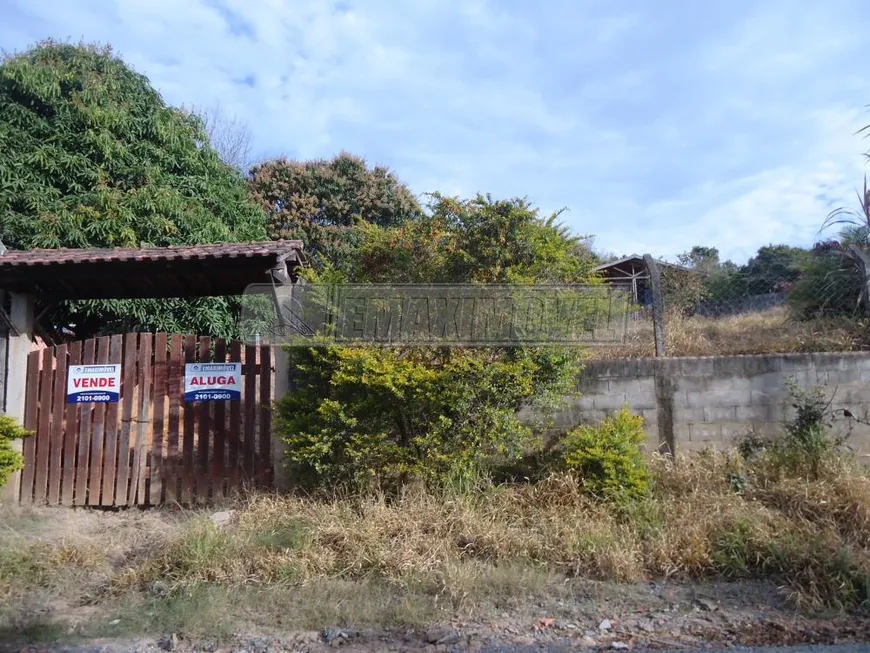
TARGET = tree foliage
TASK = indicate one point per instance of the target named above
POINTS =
(682, 287)
(323, 202)
(834, 282)
(10, 459)
(774, 268)
(830, 283)
(701, 259)
(93, 157)
(480, 240)
(380, 416)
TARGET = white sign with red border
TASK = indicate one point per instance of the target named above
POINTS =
(212, 381)
(93, 383)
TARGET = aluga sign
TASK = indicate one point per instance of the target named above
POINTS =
(212, 381)
(93, 383)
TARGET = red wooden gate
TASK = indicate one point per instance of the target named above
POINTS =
(151, 447)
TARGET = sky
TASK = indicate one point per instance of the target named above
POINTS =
(658, 125)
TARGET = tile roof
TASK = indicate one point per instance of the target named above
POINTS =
(64, 256)
(141, 272)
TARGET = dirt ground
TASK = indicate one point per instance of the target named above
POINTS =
(605, 616)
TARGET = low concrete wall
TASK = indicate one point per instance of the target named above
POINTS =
(693, 403)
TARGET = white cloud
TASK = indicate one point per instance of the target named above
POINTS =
(660, 127)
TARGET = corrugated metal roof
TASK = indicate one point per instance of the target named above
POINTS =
(638, 258)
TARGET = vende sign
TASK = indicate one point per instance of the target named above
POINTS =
(93, 383)
(212, 381)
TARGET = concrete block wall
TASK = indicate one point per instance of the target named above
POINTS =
(694, 403)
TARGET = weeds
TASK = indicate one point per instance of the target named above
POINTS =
(769, 332)
(808, 447)
(366, 559)
(692, 525)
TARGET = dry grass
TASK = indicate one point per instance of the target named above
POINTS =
(810, 534)
(422, 552)
(768, 332)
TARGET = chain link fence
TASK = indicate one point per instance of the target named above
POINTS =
(823, 306)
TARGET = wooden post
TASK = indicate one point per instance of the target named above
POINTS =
(18, 344)
(658, 304)
(281, 389)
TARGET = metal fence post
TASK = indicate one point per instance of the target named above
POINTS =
(658, 304)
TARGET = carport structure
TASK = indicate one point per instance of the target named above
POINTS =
(72, 438)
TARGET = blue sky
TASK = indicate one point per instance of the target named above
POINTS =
(658, 124)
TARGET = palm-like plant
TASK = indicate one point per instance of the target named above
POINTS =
(855, 235)
(854, 223)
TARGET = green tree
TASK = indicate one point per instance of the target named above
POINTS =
(93, 157)
(323, 202)
(725, 281)
(700, 258)
(716, 279)
(476, 240)
(685, 285)
(380, 416)
(773, 268)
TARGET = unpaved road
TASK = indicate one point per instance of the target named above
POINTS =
(844, 648)
(551, 648)
(593, 616)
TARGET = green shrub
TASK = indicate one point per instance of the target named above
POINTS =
(10, 460)
(807, 447)
(608, 458)
(807, 443)
(362, 417)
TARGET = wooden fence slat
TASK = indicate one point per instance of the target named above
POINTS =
(70, 438)
(80, 498)
(31, 423)
(95, 472)
(265, 377)
(235, 430)
(58, 410)
(175, 389)
(189, 428)
(128, 384)
(43, 433)
(250, 400)
(110, 429)
(140, 453)
(153, 447)
(220, 428)
(203, 430)
(155, 491)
